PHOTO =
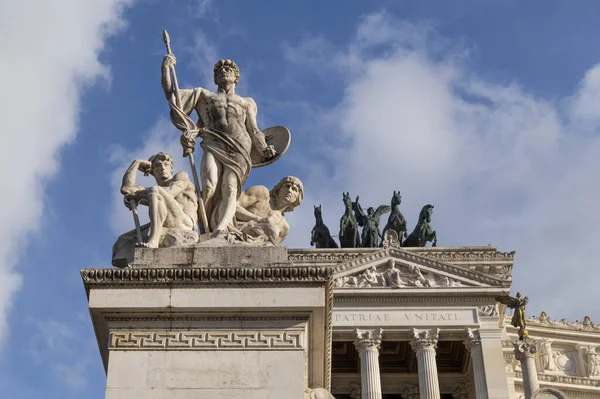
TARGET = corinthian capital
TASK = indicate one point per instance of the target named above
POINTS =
(473, 339)
(368, 339)
(524, 349)
(424, 339)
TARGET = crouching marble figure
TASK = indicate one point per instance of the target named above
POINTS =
(172, 208)
(260, 212)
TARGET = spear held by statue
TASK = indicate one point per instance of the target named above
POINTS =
(189, 131)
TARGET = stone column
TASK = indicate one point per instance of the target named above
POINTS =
(424, 343)
(367, 343)
(524, 352)
(473, 345)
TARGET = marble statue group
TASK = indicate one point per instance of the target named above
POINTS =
(231, 144)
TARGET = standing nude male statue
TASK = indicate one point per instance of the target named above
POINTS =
(229, 131)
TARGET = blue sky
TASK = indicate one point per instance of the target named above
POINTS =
(488, 110)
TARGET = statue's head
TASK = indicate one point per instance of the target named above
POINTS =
(426, 212)
(162, 166)
(396, 198)
(226, 71)
(288, 193)
(370, 211)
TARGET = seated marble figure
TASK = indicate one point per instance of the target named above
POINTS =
(172, 208)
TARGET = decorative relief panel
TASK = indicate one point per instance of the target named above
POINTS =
(565, 361)
(394, 275)
(488, 310)
(202, 340)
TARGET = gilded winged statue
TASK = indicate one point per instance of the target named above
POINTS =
(518, 304)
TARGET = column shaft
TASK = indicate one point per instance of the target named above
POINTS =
(369, 366)
(524, 353)
(429, 386)
(473, 344)
(367, 343)
(424, 343)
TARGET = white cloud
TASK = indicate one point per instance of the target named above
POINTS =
(500, 165)
(50, 54)
(66, 348)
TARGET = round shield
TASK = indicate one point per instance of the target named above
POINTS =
(277, 136)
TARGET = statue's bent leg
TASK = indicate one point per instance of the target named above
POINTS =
(158, 214)
(228, 205)
(175, 217)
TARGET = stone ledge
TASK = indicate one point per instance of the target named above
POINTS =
(155, 277)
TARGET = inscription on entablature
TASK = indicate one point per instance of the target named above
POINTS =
(405, 318)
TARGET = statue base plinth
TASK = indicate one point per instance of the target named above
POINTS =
(211, 322)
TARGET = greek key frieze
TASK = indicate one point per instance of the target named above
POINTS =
(199, 340)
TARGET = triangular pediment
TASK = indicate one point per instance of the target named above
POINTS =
(396, 268)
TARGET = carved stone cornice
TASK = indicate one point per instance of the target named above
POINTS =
(424, 339)
(154, 277)
(563, 379)
(368, 339)
(445, 254)
(327, 255)
(469, 254)
(206, 340)
(119, 317)
(544, 321)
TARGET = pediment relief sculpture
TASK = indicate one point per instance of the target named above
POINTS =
(396, 275)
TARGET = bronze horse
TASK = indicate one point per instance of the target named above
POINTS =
(349, 237)
(423, 232)
(320, 236)
(396, 220)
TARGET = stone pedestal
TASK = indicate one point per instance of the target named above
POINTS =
(196, 322)
(524, 352)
